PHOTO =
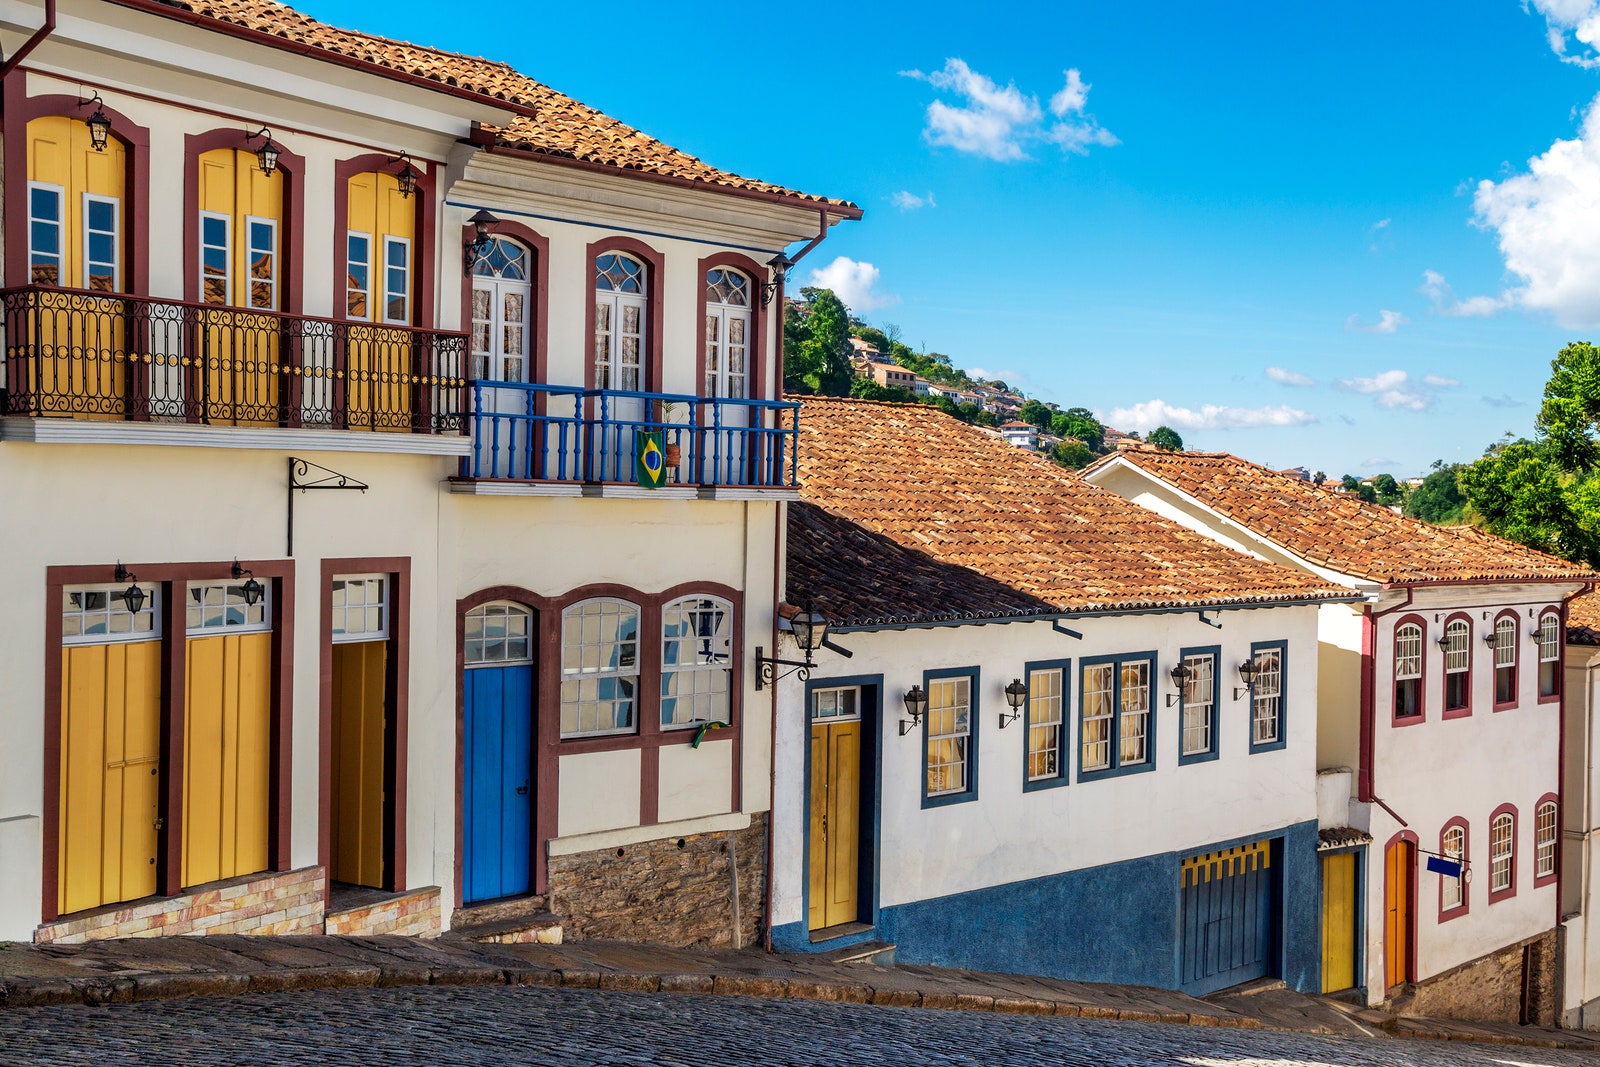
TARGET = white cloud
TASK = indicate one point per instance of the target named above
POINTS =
(997, 122)
(1153, 413)
(854, 283)
(1581, 19)
(1547, 222)
(1445, 302)
(1388, 322)
(1439, 381)
(1284, 376)
(1378, 461)
(1504, 400)
(1395, 389)
(1381, 224)
(906, 200)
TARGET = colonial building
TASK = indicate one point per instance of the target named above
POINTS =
(1049, 732)
(1580, 816)
(1440, 706)
(393, 462)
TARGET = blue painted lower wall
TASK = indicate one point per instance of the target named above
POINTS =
(1115, 923)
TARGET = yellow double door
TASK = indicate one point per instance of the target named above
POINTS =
(1338, 922)
(112, 770)
(835, 823)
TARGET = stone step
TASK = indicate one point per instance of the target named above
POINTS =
(877, 953)
(521, 922)
(499, 910)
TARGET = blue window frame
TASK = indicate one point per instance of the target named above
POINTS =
(950, 736)
(1116, 715)
(1044, 751)
(1197, 704)
(1268, 725)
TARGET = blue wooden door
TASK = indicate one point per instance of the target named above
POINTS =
(498, 815)
(1228, 921)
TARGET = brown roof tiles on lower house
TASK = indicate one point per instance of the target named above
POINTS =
(989, 524)
(1340, 532)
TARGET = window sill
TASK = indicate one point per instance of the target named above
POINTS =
(946, 799)
(1539, 882)
(1115, 772)
(1454, 913)
(274, 438)
(1270, 746)
(1045, 783)
(1409, 720)
(1457, 713)
(1504, 894)
(1198, 757)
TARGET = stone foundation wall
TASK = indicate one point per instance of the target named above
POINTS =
(1491, 987)
(677, 891)
(288, 902)
(413, 914)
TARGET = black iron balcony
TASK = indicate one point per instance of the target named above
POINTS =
(91, 355)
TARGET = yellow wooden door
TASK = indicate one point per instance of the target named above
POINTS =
(1397, 914)
(227, 756)
(82, 343)
(382, 364)
(241, 364)
(1338, 922)
(835, 823)
(359, 714)
(110, 773)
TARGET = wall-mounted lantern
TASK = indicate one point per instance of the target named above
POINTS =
(916, 706)
(1016, 696)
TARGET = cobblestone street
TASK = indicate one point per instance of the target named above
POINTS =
(438, 1026)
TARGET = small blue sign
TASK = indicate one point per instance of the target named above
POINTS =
(1448, 868)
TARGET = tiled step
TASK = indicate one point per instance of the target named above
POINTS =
(877, 953)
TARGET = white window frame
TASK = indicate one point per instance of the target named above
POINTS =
(1109, 694)
(227, 256)
(1463, 655)
(837, 692)
(250, 222)
(618, 300)
(475, 646)
(1139, 715)
(1198, 682)
(1047, 724)
(233, 595)
(622, 671)
(1550, 642)
(702, 676)
(367, 292)
(1502, 860)
(1545, 832)
(494, 355)
(1505, 657)
(339, 622)
(1408, 665)
(720, 376)
(391, 241)
(959, 736)
(1266, 696)
(151, 608)
(60, 225)
(1453, 888)
(116, 238)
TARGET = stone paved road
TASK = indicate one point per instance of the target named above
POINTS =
(494, 1025)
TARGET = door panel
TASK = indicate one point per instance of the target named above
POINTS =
(1398, 868)
(835, 824)
(1338, 922)
(110, 773)
(382, 360)
(1227, 907)
(227, 756)
(359, 726)
(498, 815)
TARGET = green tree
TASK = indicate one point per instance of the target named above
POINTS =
(1438, 499)
(1318, 478)
(977, 416)
(1350, 484)
(867, 389)
(1388, 490)
(817, 349)
(1073, 454)
(1037, 414)
(873, 336)
(1166, 439)
(1080, 423)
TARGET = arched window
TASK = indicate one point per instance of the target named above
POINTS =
(241, 223)
(696, 660)
(1407, 670)
(1457, 665)
(727, 333)
(380, 239)
(599, 667)
(1502, 855)
(497, 634)
(502, 307)
(1505, 660)
(1544, 841)
(1453, 846)
(619, 322)
(76, 206)
(1549, 654)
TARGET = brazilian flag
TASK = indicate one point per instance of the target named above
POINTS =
(650, 466)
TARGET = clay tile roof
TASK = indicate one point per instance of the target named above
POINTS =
(551, 124)
(960, 499)
(1583, 620)
(1342, 533)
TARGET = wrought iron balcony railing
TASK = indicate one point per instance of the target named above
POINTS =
(552, 433)
(94, 355)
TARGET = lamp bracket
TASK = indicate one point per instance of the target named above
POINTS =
(302, 469)
(767, 672)
(907, 727)
(1009, 717)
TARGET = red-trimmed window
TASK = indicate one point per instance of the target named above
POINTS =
(1453, 891)
(599, 668)
(1503, 853)
(1546, 829)
(1408, 671)
(696, 661)
(1549, 655)
(1505, 661)
(1457, 645)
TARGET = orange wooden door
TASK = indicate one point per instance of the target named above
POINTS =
(835, 823)
(1399, 867)
(360, 706)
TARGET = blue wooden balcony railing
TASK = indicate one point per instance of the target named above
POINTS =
(561, 433)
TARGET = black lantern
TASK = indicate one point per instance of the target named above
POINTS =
(1180, 677)
(810, 631)
(779, 265)
(478, 247)
(1247, 674)
(253, 590)
(406, 175)
(133, 596)
(267, 154)
(99, 124)
(916, 702)
(1016, 696)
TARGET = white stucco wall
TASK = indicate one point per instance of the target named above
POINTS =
(1007, 834)
(1580, 845)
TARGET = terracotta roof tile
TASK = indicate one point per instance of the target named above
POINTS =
(964, 499)
(559, 126)
(1340, 532)
(1583, 620)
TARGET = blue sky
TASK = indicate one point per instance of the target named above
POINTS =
(1345, 236)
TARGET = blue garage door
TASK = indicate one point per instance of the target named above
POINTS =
(1229, 928)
